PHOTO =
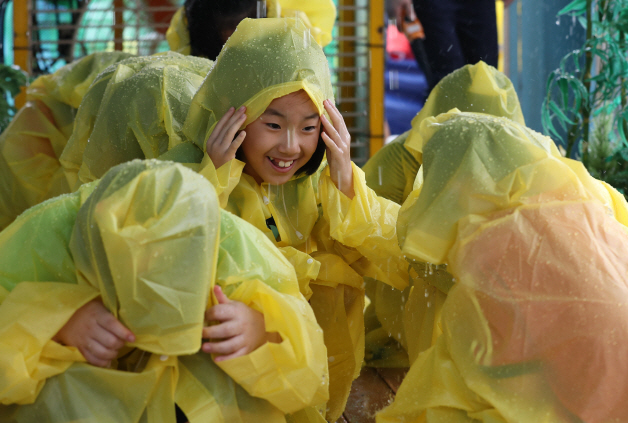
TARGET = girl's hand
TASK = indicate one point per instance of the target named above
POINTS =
(221, 145)
(240, 329)
(337, 139)
(95, 332)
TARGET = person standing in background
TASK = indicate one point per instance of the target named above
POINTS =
(457, 32)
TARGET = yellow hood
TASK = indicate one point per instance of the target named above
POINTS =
(476, 165)
(478, 88)
(264, 59)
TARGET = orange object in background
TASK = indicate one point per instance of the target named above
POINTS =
(397, 44)
(163, 13)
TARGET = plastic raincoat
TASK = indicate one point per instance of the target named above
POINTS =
(332, 241)
(534, 325)
(403, 319)
(134, 110)
(30, 147)
(478, 88)
(151, 241)
(318, 15)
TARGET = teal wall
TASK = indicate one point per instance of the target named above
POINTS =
(543, 41)
(8, 35)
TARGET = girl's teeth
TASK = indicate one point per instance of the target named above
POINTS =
(281, 163)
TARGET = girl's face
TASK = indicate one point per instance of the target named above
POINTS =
(282, 139)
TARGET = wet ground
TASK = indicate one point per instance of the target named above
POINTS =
(373, 390)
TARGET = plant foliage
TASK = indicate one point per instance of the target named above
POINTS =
(12, 79)
(586, 106)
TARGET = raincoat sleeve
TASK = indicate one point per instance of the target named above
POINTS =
(367, 224)
(306, 267)
(290, 375)
(224, 179)
(38, 295)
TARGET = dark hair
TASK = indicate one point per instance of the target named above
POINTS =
(313, 164)
(310, 167)
(207, 19)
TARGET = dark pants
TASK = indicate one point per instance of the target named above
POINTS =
(457, 32)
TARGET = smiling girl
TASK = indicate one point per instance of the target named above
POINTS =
(265, 118)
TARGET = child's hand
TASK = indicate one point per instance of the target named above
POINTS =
(221, 147)
(337, 140)
(240, 331)
(96, 333)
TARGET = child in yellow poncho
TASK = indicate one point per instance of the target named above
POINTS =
(534, 324)
(30, 147)
(329, 225)
(258, 116)
(402, 324)
(150, 243)
(476, 88)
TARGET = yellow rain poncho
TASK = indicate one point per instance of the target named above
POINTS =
(535, 324)
(318, 15)
(152, 241)
(30, 147)
(134, 110)
(332, 241)
(476, 88)
(409, 319)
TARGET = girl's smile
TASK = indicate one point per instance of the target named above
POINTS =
(282, 140)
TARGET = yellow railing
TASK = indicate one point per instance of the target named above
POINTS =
(21, 42)
(377, 32)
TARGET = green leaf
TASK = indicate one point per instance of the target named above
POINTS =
(558, 112)
(621, 22)
(576, 6)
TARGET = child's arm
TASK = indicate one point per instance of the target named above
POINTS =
(338, 142)
(241, 329)
(358, 219)
(96, 333)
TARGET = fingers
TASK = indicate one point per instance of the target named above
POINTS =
(228, 346)
(240, 352)
(93, 359)
(221, 145)
(98, 354)
(221, 123)
(220, 296)
(232, 126)
(221, 331)
(227, 126)
(113, 325)
(336, 119)
(336, 129)
(330, 143)
(237, 142)
(220, 313)
(108, 339)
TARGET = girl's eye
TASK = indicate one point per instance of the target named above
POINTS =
(309, 128)
(273, 126)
